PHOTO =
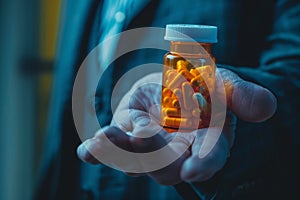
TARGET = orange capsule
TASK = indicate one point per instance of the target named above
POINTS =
(172, 112)
(166, 92)
(203, 69)
(197, 81)
(166, 72)
(181, 65)
(187, 75)
(167, 100)
(176, 82)
(205, 75)
(199, 70)
(175, 103)
(171, 74)
(195, 72)
(206, 68)
(177, 122)
(177, 92)
(187, 94)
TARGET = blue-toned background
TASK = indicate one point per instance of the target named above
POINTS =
(27, 43)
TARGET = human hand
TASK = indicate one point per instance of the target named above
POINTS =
(138, 114)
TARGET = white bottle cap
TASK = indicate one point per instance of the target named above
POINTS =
(191, 33)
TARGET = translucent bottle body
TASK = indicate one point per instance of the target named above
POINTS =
(188, 80)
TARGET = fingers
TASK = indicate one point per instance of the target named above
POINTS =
(158, 138)
(145, 124)
(85, 155)
(92, 148)
(169, 175)
(149, 136)
(95, 149)
(142, 100)
(197, 168)
(252, 102)
(249, 101)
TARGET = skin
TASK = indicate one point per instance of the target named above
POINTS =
(245, 100)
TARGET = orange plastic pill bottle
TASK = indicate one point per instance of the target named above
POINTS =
(188, 77)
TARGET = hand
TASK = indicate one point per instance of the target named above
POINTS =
(138, 115)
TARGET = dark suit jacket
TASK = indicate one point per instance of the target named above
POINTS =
(259, 40)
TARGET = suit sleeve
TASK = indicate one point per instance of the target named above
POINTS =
(263, 158)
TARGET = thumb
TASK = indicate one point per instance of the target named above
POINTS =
(249, 101)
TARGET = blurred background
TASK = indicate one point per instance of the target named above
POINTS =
(27, 48)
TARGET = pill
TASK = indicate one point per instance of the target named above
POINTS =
(167, 71)
(167, 92)
(205, 75)
(178, 79)
(187, 94)
(172, 112)
(197, 81)
(207, 68)
(198, 70)
(171, 75)
(177, 92)
(181, 65)
(175, 103)
(195, 72)
(187, 75)
(167, 100)
(177, 122)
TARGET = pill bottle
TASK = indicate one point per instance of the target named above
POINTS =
(188, 77)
